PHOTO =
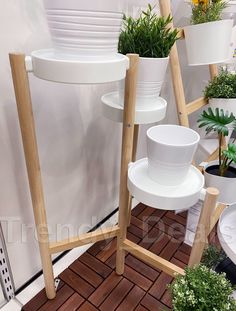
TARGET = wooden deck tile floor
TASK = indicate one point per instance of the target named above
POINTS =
(90, 283)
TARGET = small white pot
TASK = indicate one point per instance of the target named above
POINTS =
(151, 74)
(85, 28)
(227, 104)
(170, 150)
(208, 43)
(226, 186)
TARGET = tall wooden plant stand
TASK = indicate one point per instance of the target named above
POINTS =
(52, 70)
(73, 72)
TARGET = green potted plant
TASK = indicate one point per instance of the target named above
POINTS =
(150, 37)
(208, 37)
(221, 92)
(202, 289)
(221, 173)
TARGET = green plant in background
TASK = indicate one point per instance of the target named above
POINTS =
(202, 289)
(222, 86)
(204, 11)
(212, 256)
(148, 35)
(218, 121)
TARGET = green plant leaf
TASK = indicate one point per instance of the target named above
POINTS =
(148, 35)
(230, 152)
(217, 121)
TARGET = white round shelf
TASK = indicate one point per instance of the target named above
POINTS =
(113, 110)
(147, 191)
(227, 231)
(48, 65)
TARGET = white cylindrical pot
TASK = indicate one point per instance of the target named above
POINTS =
(151, 75)
(227, 104)
(84, 28)
(226, 185)
(170, 150)
(208, 43)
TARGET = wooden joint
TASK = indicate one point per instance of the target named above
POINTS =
(196, 105)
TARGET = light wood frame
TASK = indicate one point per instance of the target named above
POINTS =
(129, 147)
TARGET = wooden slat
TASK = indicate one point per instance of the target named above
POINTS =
(116, 296)
(132, 299)
(83, 239)
(105, 289)
(196, 105)
(151, 258)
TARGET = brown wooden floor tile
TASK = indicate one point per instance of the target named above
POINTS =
(166, 299)
(78, 284)
(160, 285)
(138, 209)
(87, 307)
(132, 299)
(182, 257)
(153, 304)
(62, 295)
(141, 267)
(95, 264)
(86, 273)
(137, 278)
(105, 289)
(73, 303)
(116, 296)
(141, 308)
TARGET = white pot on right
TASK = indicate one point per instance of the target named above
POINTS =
(227, 104)
(208, 43)
(226, 185)
(151, 75)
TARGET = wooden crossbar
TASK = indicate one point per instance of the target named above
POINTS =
(196, 105)
(83, 239)
(152, 259)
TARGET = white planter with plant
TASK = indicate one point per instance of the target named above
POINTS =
(149, 37)
(222, 173)
(208, 37)
(88, 28)
(221, 92)
(202, 288)
(170, 150)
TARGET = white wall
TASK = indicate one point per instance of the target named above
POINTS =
(79, 149)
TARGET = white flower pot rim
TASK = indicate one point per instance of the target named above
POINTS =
(222, 98)
(147, 58)
(85, 11)
(213, 163)
(174, 126)
(204, 24)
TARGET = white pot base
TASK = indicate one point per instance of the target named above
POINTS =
(113, 110)
(48, 65)
(227, 231)
(158, 196)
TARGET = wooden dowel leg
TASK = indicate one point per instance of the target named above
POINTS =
(126, 156)
(135, 145)
(165, 8)
(213, 71)
(203, 227)
(26, 119)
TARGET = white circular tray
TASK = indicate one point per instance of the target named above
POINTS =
(51, 66)
(227, 231)
(147, 191)
(113, 110)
